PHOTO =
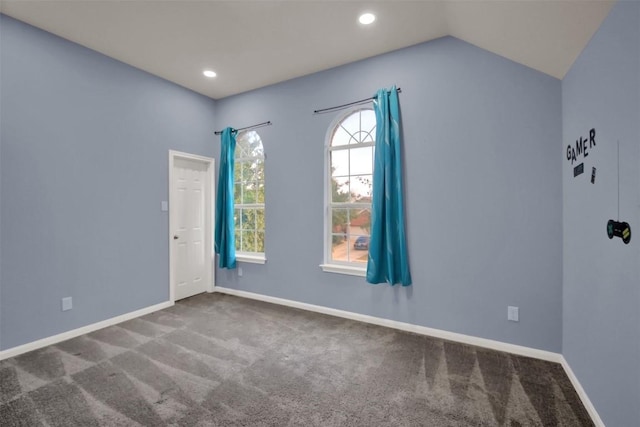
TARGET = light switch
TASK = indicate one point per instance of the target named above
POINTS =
(164, 206)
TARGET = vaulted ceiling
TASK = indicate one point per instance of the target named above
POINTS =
(251, 44)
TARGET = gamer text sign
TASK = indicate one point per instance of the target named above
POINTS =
(582, 147)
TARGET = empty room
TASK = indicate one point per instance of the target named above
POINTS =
(320, 213)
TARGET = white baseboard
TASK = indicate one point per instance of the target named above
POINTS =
(595, 417)
(437, 333)
(422, 330)
(34, 345)
(409, 327)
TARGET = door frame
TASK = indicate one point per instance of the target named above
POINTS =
(209, 218)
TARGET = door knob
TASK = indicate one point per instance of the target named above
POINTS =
(175, 237)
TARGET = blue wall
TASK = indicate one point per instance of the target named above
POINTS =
(84, 160)
(483, 191)
(83, 168)
(601, 276)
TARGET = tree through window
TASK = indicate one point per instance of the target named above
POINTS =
(350, 162)
(249, 194)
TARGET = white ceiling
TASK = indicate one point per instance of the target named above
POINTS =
(251, 44)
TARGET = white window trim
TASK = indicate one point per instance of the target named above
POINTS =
(329, 265)
(344, 269)
(253, 258)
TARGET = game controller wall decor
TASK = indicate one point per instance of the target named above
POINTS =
(578, 153)
(618, 228)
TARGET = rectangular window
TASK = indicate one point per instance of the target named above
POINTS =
(249, 203)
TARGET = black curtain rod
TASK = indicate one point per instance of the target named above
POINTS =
(259, 125)
(339, 107)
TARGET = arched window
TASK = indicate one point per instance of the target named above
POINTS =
(249, 197)
(350, 148)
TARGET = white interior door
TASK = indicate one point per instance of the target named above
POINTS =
(191, 225)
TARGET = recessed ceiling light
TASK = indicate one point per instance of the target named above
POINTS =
(367, 18)
(209, 73)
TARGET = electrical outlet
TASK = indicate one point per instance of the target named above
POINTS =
(239, 271)
(513, 314)
(67, 303)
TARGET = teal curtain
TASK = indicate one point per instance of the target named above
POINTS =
(225, 242)
(388, 260)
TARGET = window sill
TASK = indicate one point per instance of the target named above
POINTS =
(344, 269)
(253, 259)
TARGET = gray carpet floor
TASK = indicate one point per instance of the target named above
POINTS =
(218, 360)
